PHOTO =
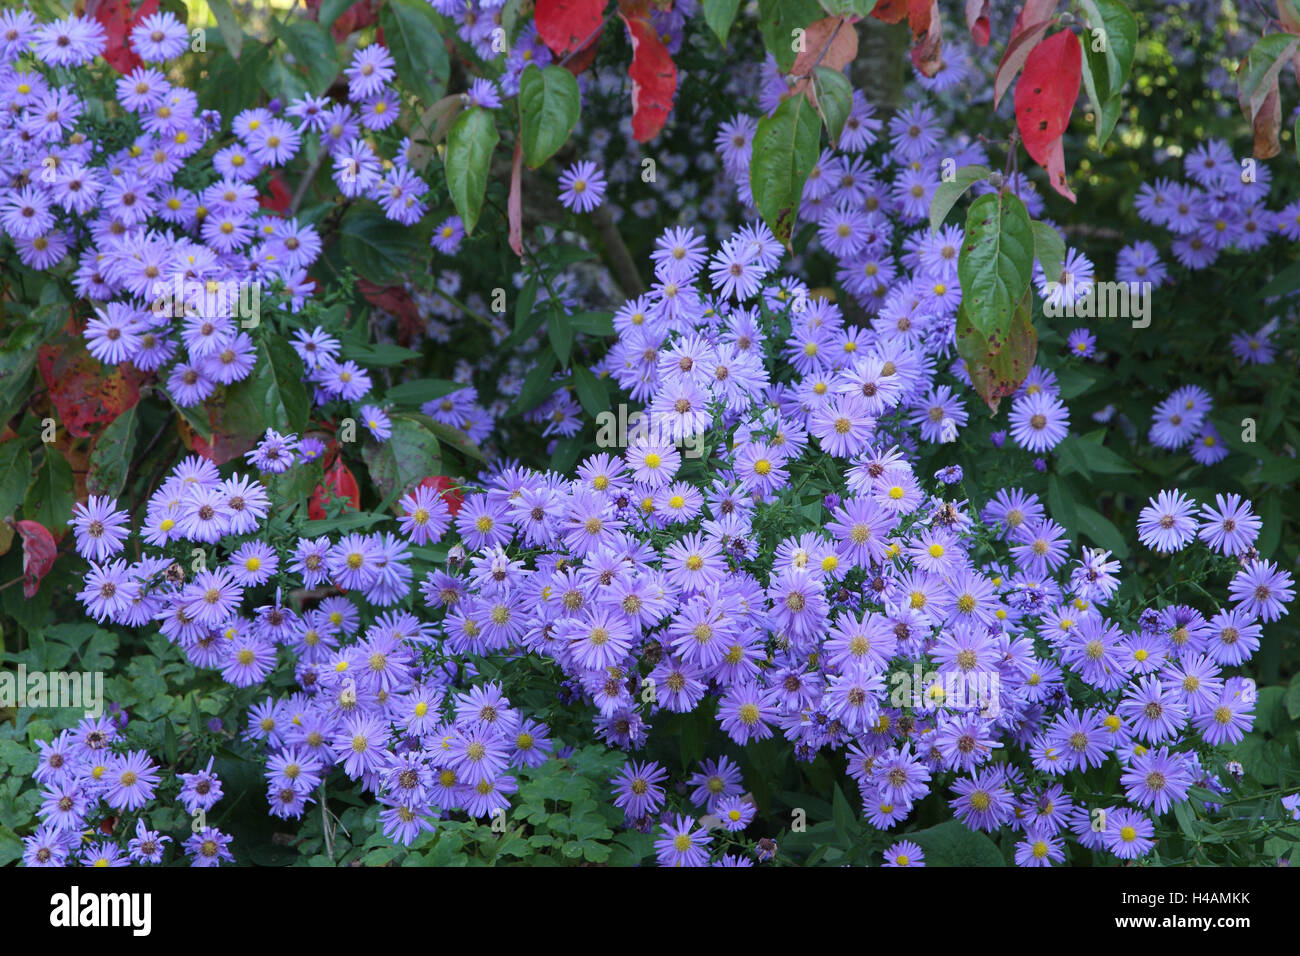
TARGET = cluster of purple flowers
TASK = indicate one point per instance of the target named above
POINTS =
(85, 772)
(1183, 419)
(1221, 207)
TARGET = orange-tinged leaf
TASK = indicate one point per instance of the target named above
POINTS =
(842, 38)
(927, 36)
(83, 391)
(891, 11)
(1045, 96)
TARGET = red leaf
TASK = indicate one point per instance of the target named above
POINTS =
(341, 484)
(280, 198)
(654, 80)
(118, 19)
(977, 21)
(360, 14)
(580, 60)
(927, 36)
(39, 550)
(515, 205)
(1045, 97)
(450, 493)
(566, 25)
(84, 392)
(397, 302)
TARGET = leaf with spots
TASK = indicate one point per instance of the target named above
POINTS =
(996, 263)
(568, 25)
(1045, 97)
(996, 372)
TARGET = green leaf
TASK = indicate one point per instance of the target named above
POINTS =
(383, 354)
(594, 323)
(996, 263)
(844, 8)
(1108, 48)
(419, 55)
(719, 15)
(1286, 281)
(777, 21)
(1087, 457)
(537, 383)
(15, 473)
(591, 393)
(110, 459)
(410, 455)
(834, 99)
(1292, 698)
(469, 155)
(842, 816)
(524, 304)
(1049, 248)
(376, 247)
(560, 332)
(313, 50)
(1100, 530)
(951, 844)
(947, 193)
(421, 390)
(549, 105)
(51, 494)
(280, 392)
(231, 84)
(1060, 504)
(231, 33)
(454, 437)
(786, 146)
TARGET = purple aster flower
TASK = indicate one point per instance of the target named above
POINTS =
(447, 237)
(200, 791)
(209, 847)
(582, 187)
(637, 789)
(1262, 590)
(101, 529)
(1157, 779)
(904, 853)
(1229, 526)
(1168, 522)
(1039, 421)
(130, 781)
(147, 845)
(274, 454)
(160, 37)
(683, 843)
